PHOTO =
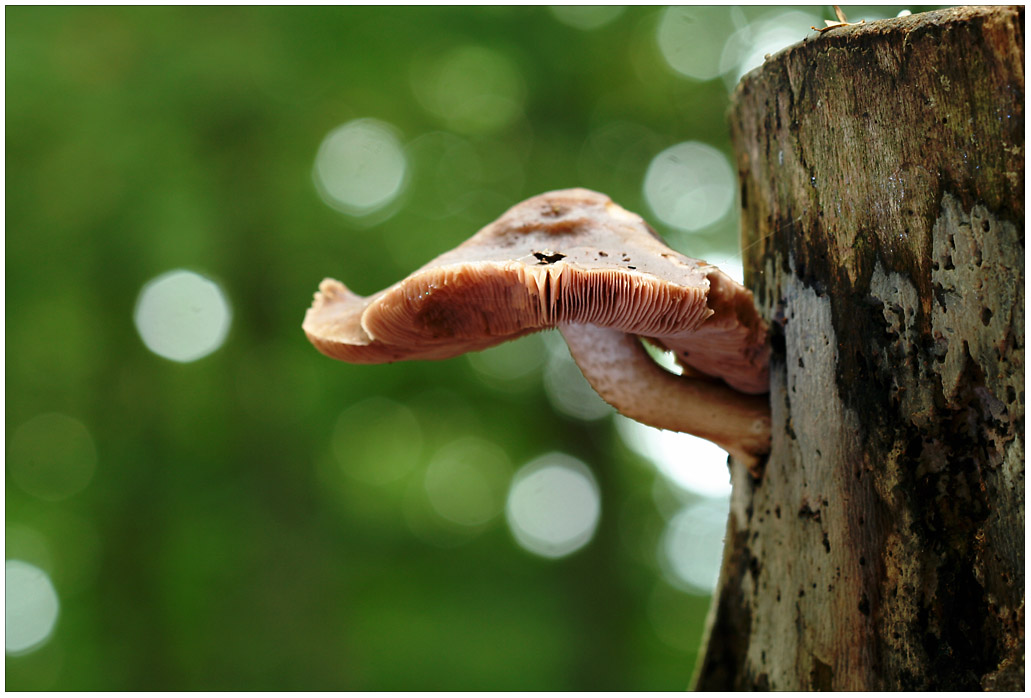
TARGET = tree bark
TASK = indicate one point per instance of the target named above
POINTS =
(882, 177)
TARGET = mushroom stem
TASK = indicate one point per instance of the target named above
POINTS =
(620, 370)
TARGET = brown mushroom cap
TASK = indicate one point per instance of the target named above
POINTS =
(565, 257)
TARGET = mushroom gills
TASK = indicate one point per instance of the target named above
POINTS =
(576, 260)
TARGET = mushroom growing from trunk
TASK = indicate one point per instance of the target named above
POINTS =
(574, 260)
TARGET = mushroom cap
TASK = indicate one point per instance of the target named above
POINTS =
(570, 256)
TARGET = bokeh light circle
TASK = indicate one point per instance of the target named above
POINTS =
(51, 456)
(689, 186)
(476, 90)
(360, 167)
(691, 549)
(747, 48)
(377, 441)
(182, 316)
(686, 461)
(553, 505)
(466, 480)
(586, 17)
(691, 39)
(512, 365)
(30, 607)
(564, 384)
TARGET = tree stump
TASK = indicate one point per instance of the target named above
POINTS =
(882, 180)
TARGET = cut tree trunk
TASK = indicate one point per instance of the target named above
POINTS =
(882, 191)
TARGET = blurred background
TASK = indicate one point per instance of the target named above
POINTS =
(196, 498)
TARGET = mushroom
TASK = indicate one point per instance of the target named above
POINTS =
(574, 260)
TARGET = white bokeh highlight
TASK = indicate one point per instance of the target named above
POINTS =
(691, 39)
(747, 48)
(689, 186)
(360, 167)
(689, 463)
(474, 90)
(564, 384)
(733, 267)
(553, 505)
(466, 480)
(691, 548)
(31, 607)
(182, 316)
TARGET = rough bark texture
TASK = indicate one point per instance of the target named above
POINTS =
(882, 182)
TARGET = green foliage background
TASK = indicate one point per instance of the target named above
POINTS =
(217, 546)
